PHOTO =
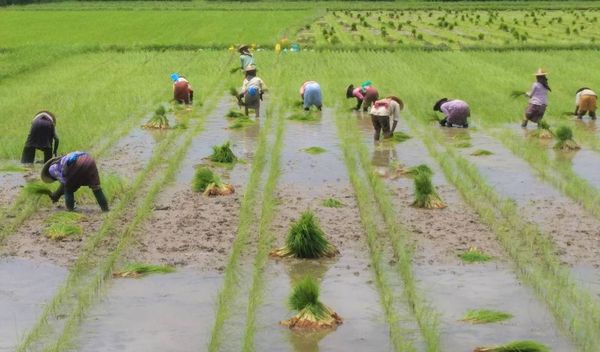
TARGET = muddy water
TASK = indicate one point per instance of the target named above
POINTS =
(171, 312)
(588, 277)
(586, 163)
(129, 155)
(26, 287)
(11, 183)
(453, 290)
(346, 287)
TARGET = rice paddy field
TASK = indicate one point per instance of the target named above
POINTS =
(294, 231)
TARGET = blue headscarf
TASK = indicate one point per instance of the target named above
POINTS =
(174, 77)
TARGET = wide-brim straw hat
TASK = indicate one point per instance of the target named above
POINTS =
(540, 72)
(250, 67)
(397, 100)
(45, 174)
(439, 103)
(47, 113)
(349, 91)
(243, 47)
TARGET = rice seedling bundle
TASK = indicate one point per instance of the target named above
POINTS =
(202, 178)
(62, 225)
(543, 131)
(481, 152)
(485, 316)
(516, 346)
(305, 239)
(314, 150)
(400, 137)
(242, 122)
(233, 92)
(158, 120)
(333, 203)
(305, 116)
(419, 169)
(312, 313)
(565, 139)
(463, 144)
(517, 93)
(37, 189)
(219, 189)
(235, 114)
(474, 255)
(223, 154)
(140, 269)
(425, 194)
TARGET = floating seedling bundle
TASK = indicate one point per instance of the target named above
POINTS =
(305, 239)
(62, 225)
(235, 114)
(543, 131)
(210, 184)
(425, 194)
(140, 269)
(400, 137)
(565, 139)
(312, 313)
(158, 120)
(485, 316)
(223, 154)
(516, 346)
(474, 255)
(305, 116)
(242, 122)
(333, 203)
(481, 152)
(314, 150)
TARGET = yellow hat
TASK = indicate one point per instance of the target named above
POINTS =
(250, 67)
(540, 72)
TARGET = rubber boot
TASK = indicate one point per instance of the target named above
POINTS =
(70, 201)
(101, 199)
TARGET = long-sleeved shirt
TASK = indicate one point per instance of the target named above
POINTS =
(585, 92)
(42, 132)
(255, 82)
(246, 60)
(386, 107)
(306, 84)
(538, 95)
(456, 106)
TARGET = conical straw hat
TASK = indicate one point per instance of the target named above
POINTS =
(540, 72)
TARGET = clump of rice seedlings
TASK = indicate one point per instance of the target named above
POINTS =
(517, 93)
(463, 144)
(312, 313)
(219, 189)
(37, 189)
(314, 150)
(305, 116)
(419, 169)
(425, 194)
(62, 225)
(565, 139)
(305, 239)
(13, 168)
(209, 184)
(242, 122)
(485, 316)
(516, 346)
(333, 203)
(234, 70)
(474, 255)
(140, 269)
(543, 131)
(400, 137)
(223, 154)
(158, 120)
(481, 152)
(234, 92)
(235, 114)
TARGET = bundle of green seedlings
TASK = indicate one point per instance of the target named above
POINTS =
(542, 131)
(139, 269)
(425, 194)
(516, 346)
(158, 120)
(223, 154)
(62, 225)
(305, 116)
(305, 239)
(333, 203)
(209, 184)
(474, 255)
(37, 189)
(485, 316)
(235, 114)
(312, 313)
(517, 93)
(234, 92)
(314, 150)
(400, 137)
(462, 140)
(242, 122)
(481, 152)
(565, 139)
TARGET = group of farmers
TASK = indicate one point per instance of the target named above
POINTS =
(77, 169)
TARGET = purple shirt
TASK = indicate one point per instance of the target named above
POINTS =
(454, 106)
(538, 95)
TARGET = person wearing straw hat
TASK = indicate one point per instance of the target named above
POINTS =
(182, 89)
(365, 95)
(585, 103)
(252, 91)
(381, 112)
(455, 112)
(310, 91)
(41, 135)
(246, 58)
(73, 171)
(538, 98)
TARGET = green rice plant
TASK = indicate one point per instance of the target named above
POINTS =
(305, 239)
(159, 120)
(516, 346)
(419, 169)
(233, 92)
(400, 137)
(202, 178)
(141, 269)
(481, 152)
(314, 150)
(425, 194)
(235, 114)
(62, 225)
(474, 255)
(242, 122)
(542, 131)
(333, 203)
(223, 154)
(517, 93)
(37, 189)
(565, 139)
(463, 144)
(308, 116)
(13, 168)
(312, 314)
(485, 316)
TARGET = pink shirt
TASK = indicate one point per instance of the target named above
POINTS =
(538, 95)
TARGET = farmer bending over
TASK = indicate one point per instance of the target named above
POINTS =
(585, 103)
(381, 112)
(252, 90)
(41, 135)
(73, 170)
(182, 90)
(538, 99)
(455, 112)
(365, 95)
(246, 58)
(310, 91)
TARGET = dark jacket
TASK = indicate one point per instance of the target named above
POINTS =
(42, 133)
